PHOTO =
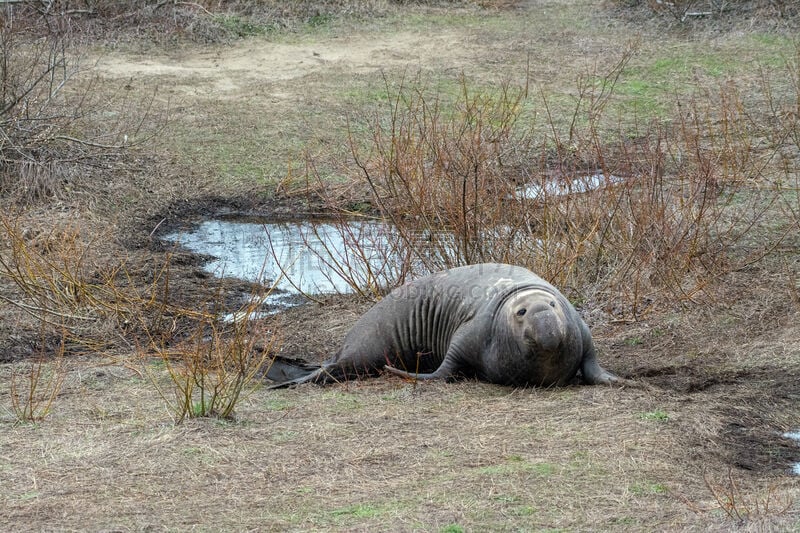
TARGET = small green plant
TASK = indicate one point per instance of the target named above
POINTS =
(657, 416)
(516, 464)
(642, 489)
(634, 341)
(238, 26)
(319, 20)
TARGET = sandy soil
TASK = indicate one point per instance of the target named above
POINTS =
(227, 71)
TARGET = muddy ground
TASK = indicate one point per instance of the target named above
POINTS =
(700, 446)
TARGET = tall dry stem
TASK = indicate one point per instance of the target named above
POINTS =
(34, 389)
(746, 509)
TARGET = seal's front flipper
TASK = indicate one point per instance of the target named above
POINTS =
(594, 374)
(591, 371)
(443, 372)
(409, 375)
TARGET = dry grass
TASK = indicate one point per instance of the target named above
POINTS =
(380, 455)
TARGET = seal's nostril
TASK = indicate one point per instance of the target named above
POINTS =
(552, 303)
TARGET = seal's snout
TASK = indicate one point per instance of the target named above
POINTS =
(546, 330)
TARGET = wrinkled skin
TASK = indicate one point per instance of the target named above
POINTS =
(498, 323)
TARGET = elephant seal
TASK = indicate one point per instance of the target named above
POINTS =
(495, 322)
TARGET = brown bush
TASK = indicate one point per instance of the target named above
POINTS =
(625, 220)
(49, 110)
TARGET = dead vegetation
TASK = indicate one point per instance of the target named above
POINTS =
(35, 385)
(630, 218)
(211, 21)
(219, 361)
(56, 127)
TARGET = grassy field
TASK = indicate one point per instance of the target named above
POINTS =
(234, 113)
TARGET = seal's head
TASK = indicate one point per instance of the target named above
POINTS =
(540, 342)
(537, 317)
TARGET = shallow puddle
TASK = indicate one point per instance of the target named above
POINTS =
(795, 436)
(297, 257)
(576, 185)
(323, 257)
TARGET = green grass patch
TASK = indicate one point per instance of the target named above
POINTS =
(284, 436)
(361, 510)
(645, 489)
(277, 404)
(634, 341)
(240, 26)
(515, 464)
(644, 98)
(773, 49)
(338, 401)
(656, 416)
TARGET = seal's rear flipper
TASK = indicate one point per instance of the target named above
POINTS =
(288, 372)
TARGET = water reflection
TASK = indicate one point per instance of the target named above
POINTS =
(553, 187)
(311, 254)
(795, 436)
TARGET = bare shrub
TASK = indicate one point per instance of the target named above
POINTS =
(218, 21)
(742, 508)
(201, 20)
(779, 124)
(34, 387)
(645, 215)
(49, 110)
(683, 10)
(216, 365)
(363, 253)
(62, 283)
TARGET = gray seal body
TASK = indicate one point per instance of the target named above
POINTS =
(495, 322)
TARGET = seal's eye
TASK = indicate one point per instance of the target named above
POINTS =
(522, 312)
(552, 303)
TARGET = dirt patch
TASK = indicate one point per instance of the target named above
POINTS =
(230, 73)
